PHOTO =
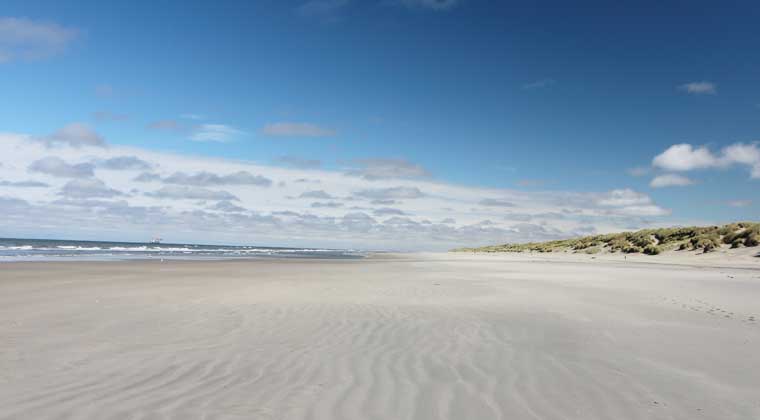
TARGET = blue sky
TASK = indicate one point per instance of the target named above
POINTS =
(535, 97)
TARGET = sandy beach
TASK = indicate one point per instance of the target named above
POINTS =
(418, 336)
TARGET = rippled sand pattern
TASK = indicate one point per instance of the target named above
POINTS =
(415, 337)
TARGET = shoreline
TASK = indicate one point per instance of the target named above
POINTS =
(727, 259)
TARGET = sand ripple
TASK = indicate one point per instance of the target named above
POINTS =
(402, 339)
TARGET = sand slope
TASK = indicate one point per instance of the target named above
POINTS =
(404, 337)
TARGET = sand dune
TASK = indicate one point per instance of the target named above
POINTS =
(398, 337)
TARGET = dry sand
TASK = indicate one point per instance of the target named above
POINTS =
(394, 337)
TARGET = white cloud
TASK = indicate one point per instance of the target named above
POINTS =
(699, 88)
(57, 167)
(24, 184)
(227, 206)
(388, 211)
(383, 202)
(740, 153)
(628, 202)
(88, 188)
(190, 193)
(378, 168)
(215, 132)
(390, 193)
(296, 129)
(12, 204)
(74, 134)
(206, 179)
(147, 177)
(319, 194)
(534, 232)
(685, 157)
(740, 203)
(623, 197)
(495, 202)
(327, 204)
(26, 39)
(125, 163)
(670, 180)
(650, 210)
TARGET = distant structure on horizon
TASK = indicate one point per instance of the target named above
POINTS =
(156, 240)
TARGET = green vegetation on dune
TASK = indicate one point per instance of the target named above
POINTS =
(647, 241)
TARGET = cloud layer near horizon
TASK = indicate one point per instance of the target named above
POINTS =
(91, 189)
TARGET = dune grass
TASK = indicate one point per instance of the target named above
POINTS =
(647, 241)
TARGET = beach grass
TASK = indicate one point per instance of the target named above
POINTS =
(647, 241)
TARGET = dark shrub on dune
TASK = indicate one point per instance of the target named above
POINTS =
(652, 250)
(632, 249)
(707, 243)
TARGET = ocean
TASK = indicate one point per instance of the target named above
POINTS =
(12, 249)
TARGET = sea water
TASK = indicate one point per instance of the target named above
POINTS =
(12, 249)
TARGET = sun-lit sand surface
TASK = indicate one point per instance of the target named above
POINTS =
(420, 336)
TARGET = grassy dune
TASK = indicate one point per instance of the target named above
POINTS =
(647, 241)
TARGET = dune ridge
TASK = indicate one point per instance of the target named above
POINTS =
(646, 241)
